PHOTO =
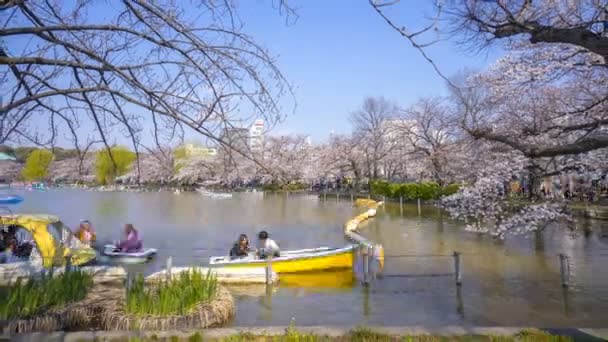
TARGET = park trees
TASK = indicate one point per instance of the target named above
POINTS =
(140, 67)
(288, 158)
(113, 162)
(37, 165)
(429, 128)
(192, 169)
(373, 130)
(538, 111)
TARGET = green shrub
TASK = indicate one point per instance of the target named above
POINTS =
(21, 299)
(105, 170)
(291, 187)
(37, 165)
(411, 191)
(450, 189)
(178, 296)
(271, 187)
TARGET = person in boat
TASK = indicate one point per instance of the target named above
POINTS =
(85, 233)
(241, 247)
(267, 246)
(5, 246)
(132, 243)
(12, 248)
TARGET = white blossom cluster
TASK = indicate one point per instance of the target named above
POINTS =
(531, 218)
(482, 204)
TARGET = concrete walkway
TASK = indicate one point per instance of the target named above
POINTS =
(579, 334)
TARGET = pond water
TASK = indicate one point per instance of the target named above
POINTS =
(515, 282)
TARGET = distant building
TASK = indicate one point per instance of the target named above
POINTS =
(256, 136)
(236, 137)
(4, 156)
(198, 151)
(245, 139)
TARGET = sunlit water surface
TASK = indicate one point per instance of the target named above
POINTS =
(506, 283)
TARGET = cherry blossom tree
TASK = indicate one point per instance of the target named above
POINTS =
(196, 169)
(287, 158)
(73, 170)
(173, 66)
(342, 156)
(155, 168)
(431, 131)
(538, 111)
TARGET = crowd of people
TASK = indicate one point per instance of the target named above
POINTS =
(580, 190)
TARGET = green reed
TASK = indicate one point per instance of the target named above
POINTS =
(177, 296)
(23, 299)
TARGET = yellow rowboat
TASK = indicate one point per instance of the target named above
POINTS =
(304, 260)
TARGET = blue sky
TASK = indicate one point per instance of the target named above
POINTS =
(340, 51)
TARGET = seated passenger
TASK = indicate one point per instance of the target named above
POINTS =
(267, 246)
(12, 247)
(85, 233)
(240, 248)
(132, 243)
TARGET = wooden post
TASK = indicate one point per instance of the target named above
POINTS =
(564, 268)
(457, 271)
(269, 269)
(419, 209)
(459, 303)
(372, 255)
(68, 264)
(366, 265)
(129, 283)
(169, 267)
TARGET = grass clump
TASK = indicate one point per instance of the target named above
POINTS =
(175, 297)
(365, 335)
(24, 299)
(368, 335)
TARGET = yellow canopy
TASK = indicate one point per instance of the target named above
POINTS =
(51, 250)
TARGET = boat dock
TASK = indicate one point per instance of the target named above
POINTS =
(225, 275)
(10, 273)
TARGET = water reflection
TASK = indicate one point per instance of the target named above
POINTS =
(459, 302)
(110, 206)
(513, 282)
(366, 306)
(342, 279)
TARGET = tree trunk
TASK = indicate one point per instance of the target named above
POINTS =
(533, 183)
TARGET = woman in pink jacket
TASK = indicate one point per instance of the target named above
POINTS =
(132, 242)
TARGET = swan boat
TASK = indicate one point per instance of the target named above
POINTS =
(214, 194)
(113, 255)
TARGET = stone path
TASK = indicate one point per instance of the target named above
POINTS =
(579, 334)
